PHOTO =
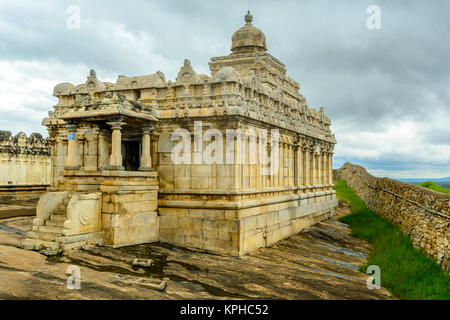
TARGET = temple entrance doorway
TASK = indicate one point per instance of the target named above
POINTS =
(131, 153)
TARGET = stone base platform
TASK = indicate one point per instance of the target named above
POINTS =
(115, 208)
(237, 228)
(63, 243)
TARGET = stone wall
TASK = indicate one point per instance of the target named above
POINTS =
(231, 208)
(239, 227)
(24, 160)
(421, 212)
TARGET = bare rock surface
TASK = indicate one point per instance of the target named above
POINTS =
(318, 263)
(17, 209)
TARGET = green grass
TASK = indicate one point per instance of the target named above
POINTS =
(434, 186)
(406, 272)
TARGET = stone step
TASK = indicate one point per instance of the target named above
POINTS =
(31, 244)
(60, 212)
(48, 236)
(58, 217)
(67, 199)
(49, 252)
(72, 245)
(32, 235)
(50, 229)
(54, 223)
(50, 245)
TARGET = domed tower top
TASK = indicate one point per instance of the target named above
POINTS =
(248, 38)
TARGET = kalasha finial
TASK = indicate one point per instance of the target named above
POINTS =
(248, 17)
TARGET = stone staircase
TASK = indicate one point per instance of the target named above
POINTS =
(49, 237)
(44, 238)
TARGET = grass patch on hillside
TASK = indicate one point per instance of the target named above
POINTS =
(434, 186)
(407, 272)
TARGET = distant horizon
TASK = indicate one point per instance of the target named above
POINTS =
(444, 179)
(397, 174)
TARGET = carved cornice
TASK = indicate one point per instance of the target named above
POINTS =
(21, 144)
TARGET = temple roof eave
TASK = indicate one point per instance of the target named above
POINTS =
(116, 111)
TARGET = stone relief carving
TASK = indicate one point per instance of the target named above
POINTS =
(187, 75)
(226, 74)
(83, 214)
(147, 81)
(92, 84)
(63, 89)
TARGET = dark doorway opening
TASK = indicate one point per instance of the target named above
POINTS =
(131, 151)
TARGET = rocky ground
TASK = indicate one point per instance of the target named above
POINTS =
(10, 207)
(318, 263)
(13, 210)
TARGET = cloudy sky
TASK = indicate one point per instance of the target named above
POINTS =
(386, 90)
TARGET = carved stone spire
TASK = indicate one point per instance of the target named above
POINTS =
(248, 38)
(248, 18)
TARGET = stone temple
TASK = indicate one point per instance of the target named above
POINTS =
(114, 180)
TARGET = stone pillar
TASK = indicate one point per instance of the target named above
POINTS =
(91, 157)
(327, 169)
(294, 165)
(252, 155)
(319, 168)
(236, 156)
(115, 159)
(313, 169)
(330, 167)
(297, 168)
(103, 150)
(58, 160)
(307, 176)
(258, 166)
(242, 153)
(53, 151)
(275, 177)
(281, 165)
(73, 157)
(146, 157)
(290, 165)
(261, 146)
(324, 168)
(301, 181)
(286, 165)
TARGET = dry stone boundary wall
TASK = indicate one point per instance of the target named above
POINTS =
(423, 213)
